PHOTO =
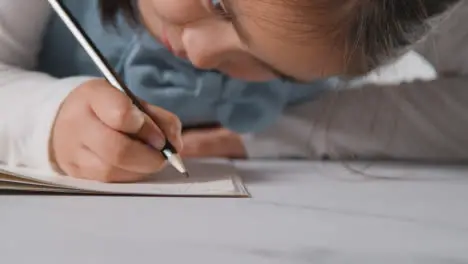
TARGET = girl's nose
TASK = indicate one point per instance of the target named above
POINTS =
(207, 47)
(205, 57)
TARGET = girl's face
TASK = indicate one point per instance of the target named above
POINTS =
(246, 39)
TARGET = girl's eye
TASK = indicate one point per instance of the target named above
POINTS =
(218, 8)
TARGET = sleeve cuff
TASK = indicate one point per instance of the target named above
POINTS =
(36, 146)
(256, 149)
(265, 147)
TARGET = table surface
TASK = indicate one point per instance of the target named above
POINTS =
(299, 213)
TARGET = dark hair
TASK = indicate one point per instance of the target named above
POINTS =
(110, 9)
(372, 32)
(381, 30)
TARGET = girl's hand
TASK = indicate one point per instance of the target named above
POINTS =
(90, 136)
(212, 143)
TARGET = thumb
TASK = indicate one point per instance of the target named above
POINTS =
(118, 112)
(168, 122)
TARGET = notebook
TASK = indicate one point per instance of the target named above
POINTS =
(208, 177)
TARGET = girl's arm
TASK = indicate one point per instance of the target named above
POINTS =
(412, 120)
(425, 121)
(29, 100)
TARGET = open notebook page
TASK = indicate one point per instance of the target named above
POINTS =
(207, 178)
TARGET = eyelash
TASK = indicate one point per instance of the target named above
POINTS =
(218, 8)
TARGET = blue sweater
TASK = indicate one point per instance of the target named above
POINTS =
(158, 77)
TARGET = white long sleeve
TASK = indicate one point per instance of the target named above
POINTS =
(29, 100)
(383, 119)
(424, 121)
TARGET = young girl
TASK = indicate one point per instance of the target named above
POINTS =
(77, 124)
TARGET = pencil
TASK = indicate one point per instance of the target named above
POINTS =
(87, 44)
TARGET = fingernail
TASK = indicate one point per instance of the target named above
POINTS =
(157, 140)
(176, 132)
(138, 118)
(181, 143)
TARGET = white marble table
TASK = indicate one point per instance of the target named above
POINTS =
(300, 213)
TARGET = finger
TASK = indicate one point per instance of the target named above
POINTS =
(117, 111)
(120, 150)
(91, 167)
(147, 134)
(200, 143)
(192, 150)
(217, 142)
(168, 122)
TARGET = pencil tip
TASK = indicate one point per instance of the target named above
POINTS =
(186, 174)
